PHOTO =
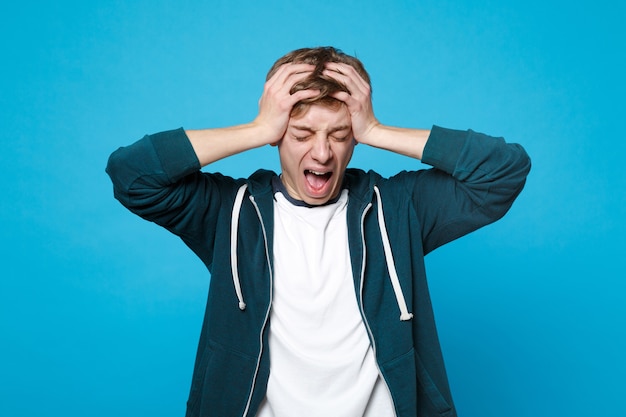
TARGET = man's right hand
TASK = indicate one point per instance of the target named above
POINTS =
(268, 127)
(276, 102)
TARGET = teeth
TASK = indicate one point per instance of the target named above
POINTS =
(317, 172)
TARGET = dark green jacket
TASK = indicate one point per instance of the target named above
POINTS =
(473, 183)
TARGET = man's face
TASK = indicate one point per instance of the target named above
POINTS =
(315, 152)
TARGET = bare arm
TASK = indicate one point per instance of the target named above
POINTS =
(404, 141)
(211, 145)
(268, 127)
(367, 129)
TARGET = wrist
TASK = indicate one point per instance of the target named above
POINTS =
(371, 133)
(264, 133)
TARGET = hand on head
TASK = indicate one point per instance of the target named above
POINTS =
(358, 100)
(277, 102)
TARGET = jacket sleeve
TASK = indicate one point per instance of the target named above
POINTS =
(474, 182)
(159, 179)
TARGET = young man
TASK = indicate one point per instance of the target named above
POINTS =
(318, 302)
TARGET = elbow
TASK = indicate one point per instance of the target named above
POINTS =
(114, 165)
(122, 175)
(523, 159)
(512, 176)
(510, 184)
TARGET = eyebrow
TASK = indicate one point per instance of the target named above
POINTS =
(333, 130)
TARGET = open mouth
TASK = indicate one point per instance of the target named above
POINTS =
(316, 179)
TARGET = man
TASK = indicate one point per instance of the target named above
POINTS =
(318, 303)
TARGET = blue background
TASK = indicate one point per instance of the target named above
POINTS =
(100, 311)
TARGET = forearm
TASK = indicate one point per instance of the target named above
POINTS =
(408, 142)
(211, 145)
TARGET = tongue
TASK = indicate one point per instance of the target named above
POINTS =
(317, 181)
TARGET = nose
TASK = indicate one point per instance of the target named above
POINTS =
(321, 151)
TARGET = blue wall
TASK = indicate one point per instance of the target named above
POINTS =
(101, 310)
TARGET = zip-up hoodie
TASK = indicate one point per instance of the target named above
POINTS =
(392, 224)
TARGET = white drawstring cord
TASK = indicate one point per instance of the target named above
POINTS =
(234, 225)
(391, 266)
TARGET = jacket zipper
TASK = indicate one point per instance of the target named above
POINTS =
(367, 326)
(267, 313)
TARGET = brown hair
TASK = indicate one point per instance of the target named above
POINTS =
(317, 80)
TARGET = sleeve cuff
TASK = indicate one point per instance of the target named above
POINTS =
(443, 148)
(176, 154)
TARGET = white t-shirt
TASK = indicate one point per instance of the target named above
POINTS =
(321, 360)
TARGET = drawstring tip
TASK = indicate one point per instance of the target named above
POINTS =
(406, 316)
(242, 306)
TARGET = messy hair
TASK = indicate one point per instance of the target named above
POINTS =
(317, 80)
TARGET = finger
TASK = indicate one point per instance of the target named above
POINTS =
(345, 69)
(344, 97)
(296, 67)
(288, 70)
(361, 92)
(347, 75)
(286, 77)
(339, 67)
(357, 93)
(303, 95)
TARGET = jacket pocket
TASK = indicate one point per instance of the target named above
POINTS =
(429, 389)
(221, 383)
(400, 379)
